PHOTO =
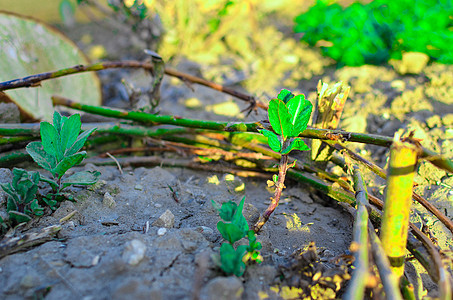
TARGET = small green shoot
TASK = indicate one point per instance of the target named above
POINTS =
(288, 116)
(22, 203)
(233, 228)
(58, 152)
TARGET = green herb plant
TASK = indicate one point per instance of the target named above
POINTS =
(58, 152)
(233, 228)
(288, 116)
(22, 202)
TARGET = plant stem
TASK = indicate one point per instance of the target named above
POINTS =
(381, 173)
(34, 80)
(314, 133)
(357, 285)
(282, 167)
(390, 282)
(155, 119)
(395, 222)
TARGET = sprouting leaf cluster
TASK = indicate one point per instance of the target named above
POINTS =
(380, 30)
(58, 152)
(289, 116)
(233, 228)
(22, 202)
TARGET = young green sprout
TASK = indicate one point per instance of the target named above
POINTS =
(289, 116)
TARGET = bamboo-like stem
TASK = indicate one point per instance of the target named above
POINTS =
(34, 80)
(422, 248)
(359, 245)
(12, 140)
(389, 280)
(395, 222)
(14, 157)
(155, 119)
(381, 173)
(314, 133)
(279, 186)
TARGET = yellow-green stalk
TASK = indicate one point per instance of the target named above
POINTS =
(398, 198)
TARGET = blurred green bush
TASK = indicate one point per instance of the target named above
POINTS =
(378, 31)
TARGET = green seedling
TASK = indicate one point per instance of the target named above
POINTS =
(288, 116)
(22, 203)
(233, 228)
(58, 152)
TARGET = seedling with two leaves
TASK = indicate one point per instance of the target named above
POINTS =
(58, 152)
(233, 228)
(288, 116)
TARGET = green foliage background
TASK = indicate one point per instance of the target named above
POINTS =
(381, 30)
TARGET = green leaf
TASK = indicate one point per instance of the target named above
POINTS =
(230, 232)
(58, 121)
(69, 132)
(226, 212)
(52, 183)
(296, 144)
(36, 208)
(231, 259)
(80, 141)
(253, 244)
(13, 196)
(19, 217)
(82, 178)
(68, 162)
(272, 140)
(300, 111)
(25, 185)
(239, 219)
(285, 95)
(51, 140)
(280, 118)
(41, 157)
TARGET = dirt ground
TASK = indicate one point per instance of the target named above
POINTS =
(131, 236)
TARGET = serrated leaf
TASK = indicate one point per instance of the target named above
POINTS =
(70, 131)
(272, 140)
(285, 95)
(280, 118)
(80, 141)
(300, 111)
(82, 178)
(296, 144)
(68, 162)
(41, 157)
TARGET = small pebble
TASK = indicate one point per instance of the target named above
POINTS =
(134, 252)
(161, 231)
(138, 187)
(167, 220)
(108, 200)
